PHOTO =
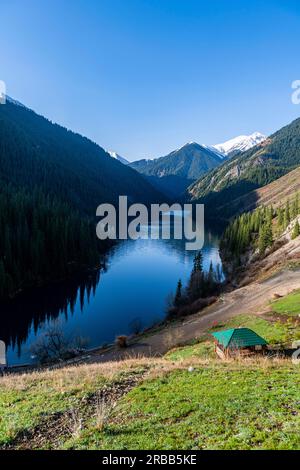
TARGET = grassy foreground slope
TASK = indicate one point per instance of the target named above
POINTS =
(212, 407)
(185, 400)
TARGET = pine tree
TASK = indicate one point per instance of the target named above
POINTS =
(287, 215)
(262, 240)
(198, 260)
(269, 234)
(296, 230)
(196, 282)
(210, 281)
(178, 295)
(280, 217)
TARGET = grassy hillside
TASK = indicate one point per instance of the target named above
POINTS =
(160, 403)
(275, 157)
(289, 305)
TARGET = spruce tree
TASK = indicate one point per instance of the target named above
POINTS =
(178, 295)
(196, 283)
(287, 215)
(198, 260)
(262, 240)
(296, 230)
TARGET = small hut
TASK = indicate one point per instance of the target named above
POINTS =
(242, 341)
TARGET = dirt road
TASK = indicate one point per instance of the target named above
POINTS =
(252, 299)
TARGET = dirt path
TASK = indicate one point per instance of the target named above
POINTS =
(252, 299)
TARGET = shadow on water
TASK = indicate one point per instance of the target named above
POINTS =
(35, 308)
(132, 289)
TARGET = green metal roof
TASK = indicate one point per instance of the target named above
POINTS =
(239, 338)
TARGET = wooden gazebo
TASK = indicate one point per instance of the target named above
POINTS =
(243, 341)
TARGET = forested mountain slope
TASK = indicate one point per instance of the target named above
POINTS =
(51, 182)
(268, 161)
(36, 152)
(177, 170)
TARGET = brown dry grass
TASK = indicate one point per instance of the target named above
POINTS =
(62, 379)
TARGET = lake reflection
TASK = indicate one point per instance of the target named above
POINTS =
(139, 277)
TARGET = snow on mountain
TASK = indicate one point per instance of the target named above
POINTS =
(240, 144)
(118, 157)
(195, 146)
(220, 154)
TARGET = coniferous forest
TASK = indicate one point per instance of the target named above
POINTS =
(51, 182)
(257, 229)
(41, 239)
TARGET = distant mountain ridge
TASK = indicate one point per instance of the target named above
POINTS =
(118, 157)
(259, 166)
(35, 151)
(174, 172)
(240, 144)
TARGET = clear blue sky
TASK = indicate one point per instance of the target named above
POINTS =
(143, 77)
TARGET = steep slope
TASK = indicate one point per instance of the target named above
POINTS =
(260, 243)
(118, 157)
(37, 153)
(176, 171)
(240, 144)
(51, 182)
(266, 162)
(276, 194)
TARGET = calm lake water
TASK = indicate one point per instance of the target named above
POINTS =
(139, 277)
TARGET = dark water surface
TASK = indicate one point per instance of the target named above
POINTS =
(139, 277)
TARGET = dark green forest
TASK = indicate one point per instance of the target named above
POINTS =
(173, 173)
(51, 182)
(41, 239)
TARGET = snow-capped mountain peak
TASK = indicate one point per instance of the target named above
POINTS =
(240, 144)
(118, 157)
(193, 145)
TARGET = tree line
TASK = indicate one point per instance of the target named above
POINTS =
(41, 239)
(201, 285)
(257, 229)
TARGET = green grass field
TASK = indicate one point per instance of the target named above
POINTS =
(289, 305)
(213, 407)
(160, 404)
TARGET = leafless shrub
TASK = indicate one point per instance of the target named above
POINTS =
(121, 342)
(103, 411)
(53, 345)
(76, 425)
